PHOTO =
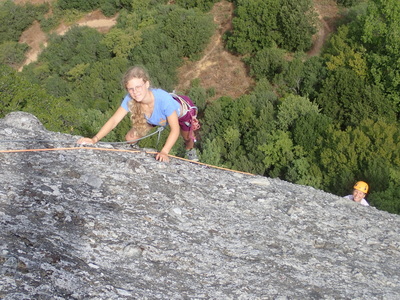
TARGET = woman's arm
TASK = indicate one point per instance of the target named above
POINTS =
(107, 127)
(172, 137)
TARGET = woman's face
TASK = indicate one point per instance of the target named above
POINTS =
(358, 195)
(137, 89)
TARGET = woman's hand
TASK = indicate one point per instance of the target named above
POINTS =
(162, 156)
(84, 140)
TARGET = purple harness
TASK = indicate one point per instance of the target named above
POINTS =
(188, 122)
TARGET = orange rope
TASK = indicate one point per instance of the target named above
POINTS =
(72, 148)
(121, 150)
(207, 165)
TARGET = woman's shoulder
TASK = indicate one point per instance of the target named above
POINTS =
(160, 93)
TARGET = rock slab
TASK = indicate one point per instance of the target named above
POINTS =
(110, 223)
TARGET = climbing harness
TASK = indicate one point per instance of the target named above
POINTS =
(192, 110)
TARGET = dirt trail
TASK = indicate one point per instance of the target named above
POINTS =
(218, 68)
(36, 39)
(94, 20)
(328, 13)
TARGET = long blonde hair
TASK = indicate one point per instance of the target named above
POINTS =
(139, 123)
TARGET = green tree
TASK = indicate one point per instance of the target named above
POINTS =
(291, 108)
(199, 95)
(386, 200)
(309, 129)
(18, 94)
(350, 99)
(340, 52)
(292, 75)
(212, 150)
(381, 165)
(260, 24)
(338, 159)
(100, 87)
(348, 3)
(279, 152)
(289, 151)
(189, 29)
(65, 63)
(79, 5)
(12, 53)
(314, 73)
(79, 45)
(120, 42)
(237, 127)
(254, 26)
(379, 32)
(138, 19)
(268, 63)
(12, 97)
(296, 21)
(16, 18)
(203, 5)
(57, 86)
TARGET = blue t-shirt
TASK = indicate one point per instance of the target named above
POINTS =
(164, 106)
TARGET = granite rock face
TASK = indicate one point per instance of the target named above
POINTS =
(109, 223)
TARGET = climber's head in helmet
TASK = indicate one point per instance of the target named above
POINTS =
(360, 190)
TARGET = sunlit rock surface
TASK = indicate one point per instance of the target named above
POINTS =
(96, 224)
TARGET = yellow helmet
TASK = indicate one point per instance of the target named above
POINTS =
(361, 186)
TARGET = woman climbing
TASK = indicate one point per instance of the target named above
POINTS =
(152, 107)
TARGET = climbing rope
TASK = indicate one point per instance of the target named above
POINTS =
(121, 150)
(159, 130)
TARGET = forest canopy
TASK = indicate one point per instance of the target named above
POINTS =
(326, 120)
